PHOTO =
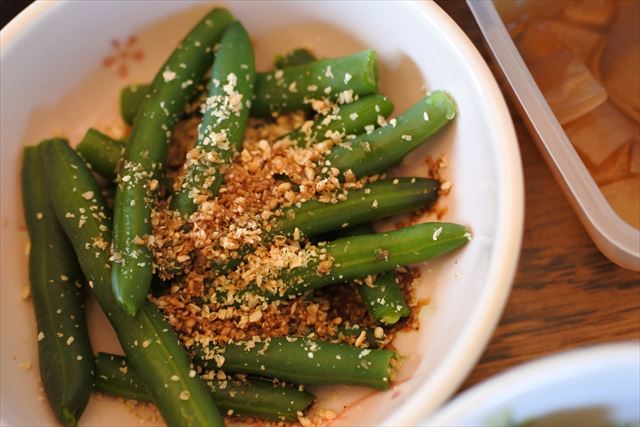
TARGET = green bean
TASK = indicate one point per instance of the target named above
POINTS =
(304, 361)
(101, 152)
(349, 120)
(115, 376)
(293, 88)
(250, 398)
(131, 97)
(64, 349)
(146, 152)
(359, 256)
(298, 56)
(377, 200)
(151, 345)
(388, 145)
(226, 112)
(384, 298)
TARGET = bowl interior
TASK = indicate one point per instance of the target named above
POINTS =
(62, 70)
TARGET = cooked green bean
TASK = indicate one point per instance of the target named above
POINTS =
(101, 152)
(293, 88)
(377, 200)
(226, 111)
(298, 56)
(349, 119)
(359, 256)
(115, 376)
(146, 152)
(64, 349)
(148, 340)
(304, 361)
(131, 97)
(386, 146)
(250, 398)
(383, 298)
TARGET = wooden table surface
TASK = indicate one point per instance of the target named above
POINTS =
(566, 294)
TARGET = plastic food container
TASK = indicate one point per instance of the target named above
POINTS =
(616, 239)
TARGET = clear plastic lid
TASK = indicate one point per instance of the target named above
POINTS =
(615, 238)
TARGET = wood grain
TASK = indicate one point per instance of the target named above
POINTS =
(566, 294)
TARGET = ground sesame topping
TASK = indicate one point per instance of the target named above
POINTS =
(268, 177)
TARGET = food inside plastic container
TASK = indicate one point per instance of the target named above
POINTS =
(585, 58)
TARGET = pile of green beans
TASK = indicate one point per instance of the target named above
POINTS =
(75, 240)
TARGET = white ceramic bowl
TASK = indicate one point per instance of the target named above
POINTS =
(590, 387)
(57, 79)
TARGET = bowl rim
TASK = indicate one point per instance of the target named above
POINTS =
(470, 344)
(539, 374)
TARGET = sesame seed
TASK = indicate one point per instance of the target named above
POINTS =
(168, 76)
(70, 340)
(87, 195)
(437, 233)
